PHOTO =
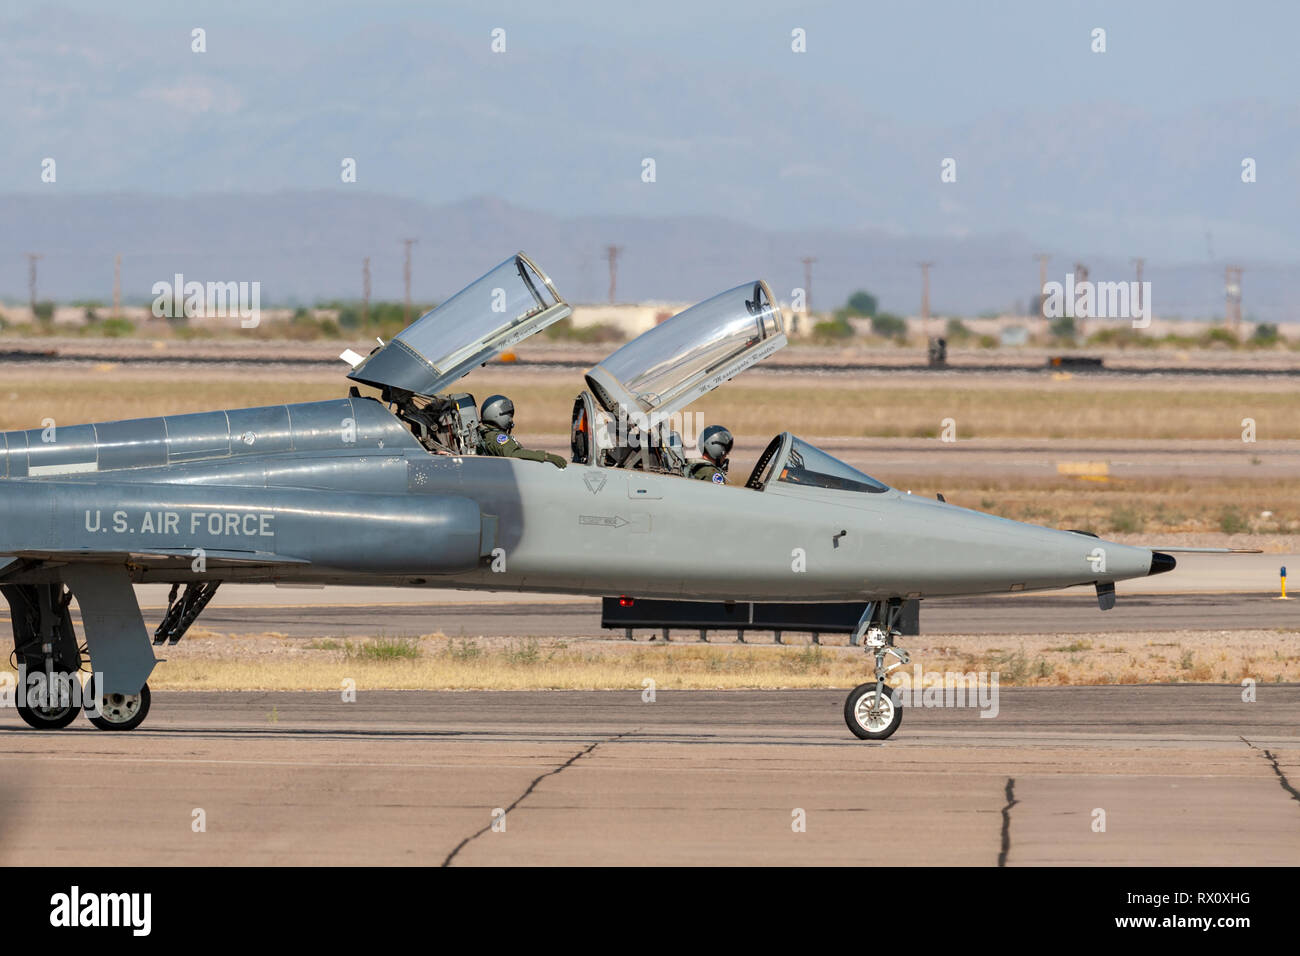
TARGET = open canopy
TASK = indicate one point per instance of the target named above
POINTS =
(661, 371)
(505, 306)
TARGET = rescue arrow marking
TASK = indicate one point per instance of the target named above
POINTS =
(607, 521)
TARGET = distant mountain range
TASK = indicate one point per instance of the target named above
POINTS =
(306, 247)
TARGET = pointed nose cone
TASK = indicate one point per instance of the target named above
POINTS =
(957, 551)
(1161, 562)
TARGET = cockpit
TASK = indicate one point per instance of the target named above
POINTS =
(503, 307)
(628, 415)
(789, 460)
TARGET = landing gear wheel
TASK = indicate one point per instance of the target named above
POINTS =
(118, 711)
(868, 719)
(45, 653)
(47, 718)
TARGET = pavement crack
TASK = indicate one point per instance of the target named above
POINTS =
(1277, 769)
(1006, 821)
(533, 786)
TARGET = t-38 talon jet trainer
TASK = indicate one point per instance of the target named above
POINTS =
(390, 490)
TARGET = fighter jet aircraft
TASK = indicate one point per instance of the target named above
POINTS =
(389, 489)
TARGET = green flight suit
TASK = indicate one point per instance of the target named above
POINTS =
(706, 471)
(493, 441)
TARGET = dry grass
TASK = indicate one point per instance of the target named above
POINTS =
(467, 664)
(272, 662)
(104, 393)
(1181, 657)
(988, 407)
(898, 406)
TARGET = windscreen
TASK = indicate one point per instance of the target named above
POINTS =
(812, 467)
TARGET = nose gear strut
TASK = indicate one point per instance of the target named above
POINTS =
(871, 711)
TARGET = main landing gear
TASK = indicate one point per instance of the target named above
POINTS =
(49, 694)
(116, 711)
(46, 655)
(871, 711)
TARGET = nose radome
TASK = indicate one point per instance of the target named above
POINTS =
(1161, 562)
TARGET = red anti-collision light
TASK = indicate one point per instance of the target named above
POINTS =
(625, 601)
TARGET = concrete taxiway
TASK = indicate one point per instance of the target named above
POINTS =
(1205, 592)
(1104, 775)
(580, 618)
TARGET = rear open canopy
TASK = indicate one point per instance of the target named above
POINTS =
(661, 371)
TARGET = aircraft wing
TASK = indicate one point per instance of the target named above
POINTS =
(154, 555)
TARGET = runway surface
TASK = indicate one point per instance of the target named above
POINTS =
(549, 357)
(523, 617)
(1205, 592)
(1181, 775)
(1186, 599)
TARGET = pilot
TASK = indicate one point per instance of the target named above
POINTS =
(715, 445)
(496, 420)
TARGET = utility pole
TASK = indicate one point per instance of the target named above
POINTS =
(807, 290)
(1138, 262)
(32, 259)
(925, 296)
(1232, 297)
(612, 253)
(406, 276)
(365, 292)
(1042, 258)
(117, 285)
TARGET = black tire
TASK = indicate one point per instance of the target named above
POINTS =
(119, 711)
(851, 712)
(45, 718)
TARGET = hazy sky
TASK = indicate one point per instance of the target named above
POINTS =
(1134, 150)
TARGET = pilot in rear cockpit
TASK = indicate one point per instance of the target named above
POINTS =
(496, 421)
(715, 446)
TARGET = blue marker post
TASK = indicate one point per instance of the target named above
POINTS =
(1284, 597)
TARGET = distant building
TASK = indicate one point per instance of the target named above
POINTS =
(631, 320)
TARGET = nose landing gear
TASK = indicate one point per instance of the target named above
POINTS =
(871, 711)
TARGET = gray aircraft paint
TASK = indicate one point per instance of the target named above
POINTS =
(367, 511)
